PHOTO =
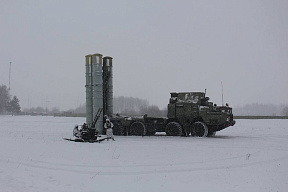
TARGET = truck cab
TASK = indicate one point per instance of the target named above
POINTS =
(190, 110)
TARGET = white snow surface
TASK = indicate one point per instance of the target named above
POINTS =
(250, 156)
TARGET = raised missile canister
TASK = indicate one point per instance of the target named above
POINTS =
(108, 85)
(99, 89)
(89, 90)
(97, 84)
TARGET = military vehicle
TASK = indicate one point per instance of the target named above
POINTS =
(189, 113)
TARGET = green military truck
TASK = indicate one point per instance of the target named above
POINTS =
(189, 113)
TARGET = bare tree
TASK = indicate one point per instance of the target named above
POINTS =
(136, 106)
(285, 111)
(128, 105)
(55, 110)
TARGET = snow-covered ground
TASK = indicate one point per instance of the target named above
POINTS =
(251, 156)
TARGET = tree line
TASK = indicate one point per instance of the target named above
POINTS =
(41, 110)
(134, 106)
(130, 106)
(8, 105)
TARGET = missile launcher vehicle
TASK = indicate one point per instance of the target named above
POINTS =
(189, 114)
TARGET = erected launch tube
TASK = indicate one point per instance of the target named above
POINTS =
(89, 90)
(99, 89)
(108, 86)
(97, 83)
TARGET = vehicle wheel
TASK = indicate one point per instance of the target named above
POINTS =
(118, 129)
(138, 128)
(211, 134)
(173, 129)
(199, 129)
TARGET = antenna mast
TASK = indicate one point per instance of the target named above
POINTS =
(222, 93)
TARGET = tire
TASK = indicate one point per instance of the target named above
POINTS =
(199, 129)
(173, 129)
(138, 128)
(118, 129)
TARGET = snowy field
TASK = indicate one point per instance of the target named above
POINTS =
(251, 156)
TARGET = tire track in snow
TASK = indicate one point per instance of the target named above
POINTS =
(155, 170)
(45, 163)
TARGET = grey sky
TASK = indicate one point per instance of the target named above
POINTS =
(157, 47)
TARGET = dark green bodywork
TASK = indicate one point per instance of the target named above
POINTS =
(184, 110)
(189, 107)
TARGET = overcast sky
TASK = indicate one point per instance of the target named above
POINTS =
(157, 47)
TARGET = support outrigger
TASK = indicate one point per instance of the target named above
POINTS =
(88, 134)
